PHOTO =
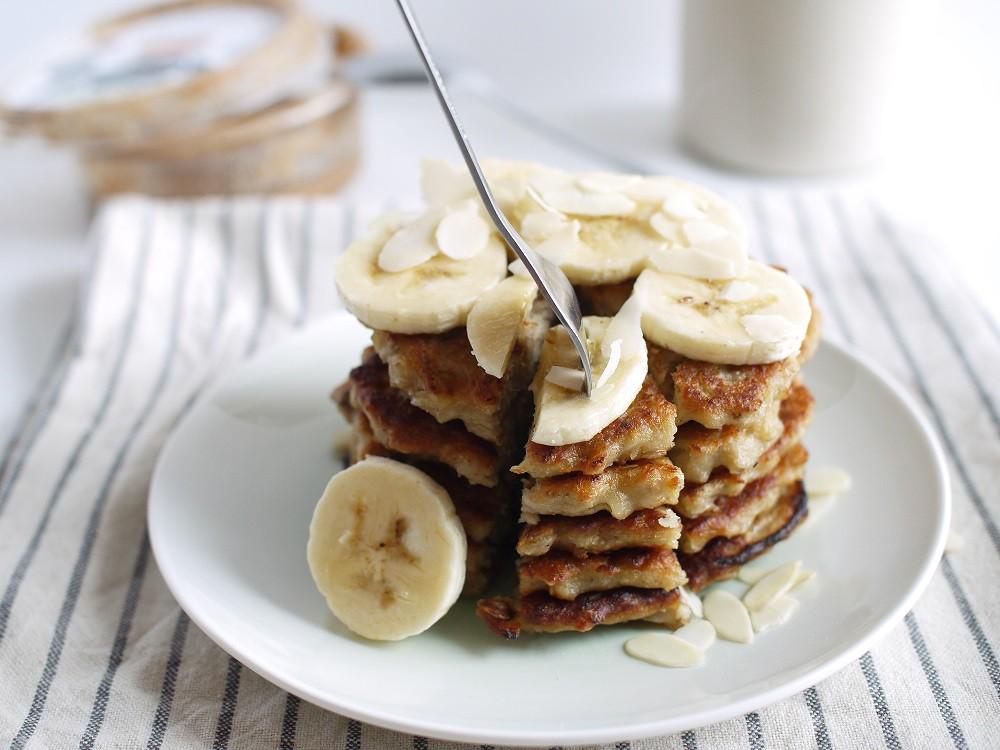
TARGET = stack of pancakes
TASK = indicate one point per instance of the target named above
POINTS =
(598, 541)
(424, 400)
(738, 443)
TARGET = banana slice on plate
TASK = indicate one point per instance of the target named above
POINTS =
(431, 296)
(761, 317)
(495, 321)
(565, 415)
(386, 549)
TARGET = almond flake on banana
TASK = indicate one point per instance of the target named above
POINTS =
(698, 318)
(432, 296)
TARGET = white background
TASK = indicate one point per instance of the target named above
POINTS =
(605, 71)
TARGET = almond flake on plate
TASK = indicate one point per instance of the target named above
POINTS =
(699, 633)
(776, 612)
(693, 601)
(728, 616)
(750, 574)
(664, 650)
(827, 480)
(804, 577)
(773, 585)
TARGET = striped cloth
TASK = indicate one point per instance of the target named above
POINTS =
(95, 653)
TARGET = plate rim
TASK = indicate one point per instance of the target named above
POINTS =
(652, 728)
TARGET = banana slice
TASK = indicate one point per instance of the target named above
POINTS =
(590, 249)
(432, 297)
(495, 320)
(712, 321)
(386, 549)
(564, 416)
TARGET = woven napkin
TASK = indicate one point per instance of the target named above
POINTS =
(95, 653)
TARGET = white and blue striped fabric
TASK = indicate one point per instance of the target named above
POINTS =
(95, 653)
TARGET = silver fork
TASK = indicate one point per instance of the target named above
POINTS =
(551, 281)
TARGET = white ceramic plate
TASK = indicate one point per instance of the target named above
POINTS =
(234, 491)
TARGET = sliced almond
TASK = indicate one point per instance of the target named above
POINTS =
(699, 633)
(566, 377)
(540, 225)
(750, 574)
(606, 182)
(738, 291)
(664, 650)
(682, 206)
(666, 227)
(442, 184)
(804, 577)
(693, 601)
(700, 232)
(561, 244)
(827, 480)
(411, 245)
(518, 268)
(462, 233)
(776, 612)
(695, 263)
(773, 585)
(579, 203)
(728, 616)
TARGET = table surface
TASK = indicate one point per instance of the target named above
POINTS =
(940, 171)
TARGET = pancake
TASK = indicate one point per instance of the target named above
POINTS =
(604, 300)
(619, 490)
(719, 395)
(439, 374)
(722, 558)
(699, 450)
(403, 428)
(479, 567)
(646, 430)
(600, 532)
(796, 412)
(541, 613)
(566, 576)
(735, 515)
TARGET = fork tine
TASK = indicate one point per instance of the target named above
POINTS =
(551, 281)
